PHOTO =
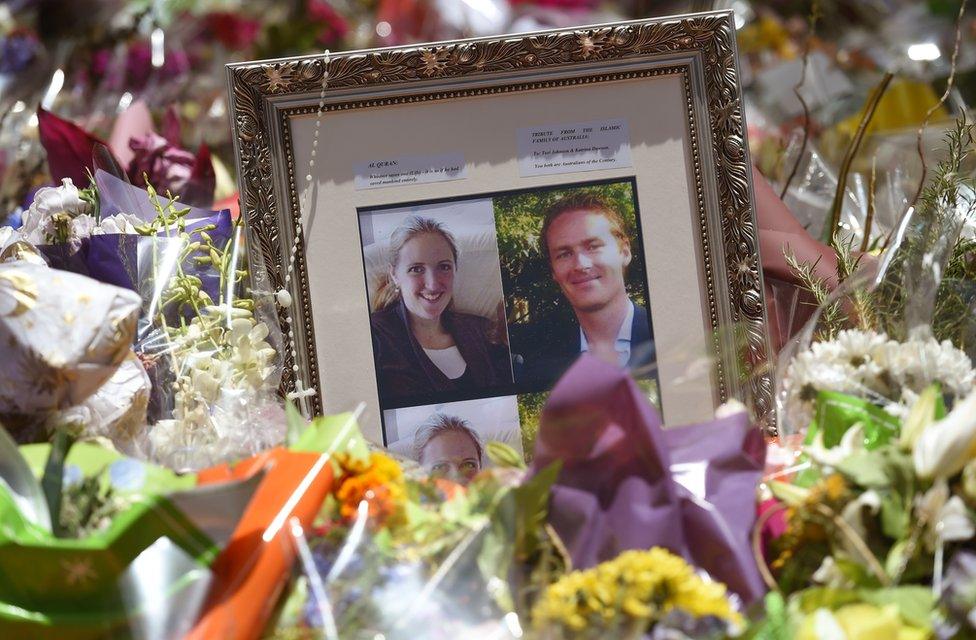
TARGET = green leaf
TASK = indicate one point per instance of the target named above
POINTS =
(531, 507)
(494, 560)
(836, 413)
(809, 600)
(856, 572)
(777, 623)
(334, 435)
(895, 518)
(915, 603)
(896, 561)
(53, 480)
(789, 494)
(866, 468)
(504, 456)
(296, 424)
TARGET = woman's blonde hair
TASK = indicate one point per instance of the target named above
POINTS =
(439, 424)
(387, 293)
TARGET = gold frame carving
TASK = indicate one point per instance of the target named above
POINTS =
(701, 47)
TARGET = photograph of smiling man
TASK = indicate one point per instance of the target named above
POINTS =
(437, 316)
(581, 287)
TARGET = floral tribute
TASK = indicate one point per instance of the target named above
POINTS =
(201, 379)
(628, 595)
(876, 514)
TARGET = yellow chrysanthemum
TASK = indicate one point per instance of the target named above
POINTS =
(637, 586)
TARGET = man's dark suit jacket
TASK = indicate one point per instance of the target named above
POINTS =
(543, 351)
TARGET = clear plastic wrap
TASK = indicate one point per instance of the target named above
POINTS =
(877, 396)
(212, 346)
(912, 305)
(527, 552)
(201, 386)
(127, 553)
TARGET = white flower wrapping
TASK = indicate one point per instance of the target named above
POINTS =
(870, 365)
(64, 336)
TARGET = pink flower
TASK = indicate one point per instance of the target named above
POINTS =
(165, 166)
(334, 26)
(774, 527)
(561, 4)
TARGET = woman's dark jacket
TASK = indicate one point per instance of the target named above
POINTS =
(403, 369)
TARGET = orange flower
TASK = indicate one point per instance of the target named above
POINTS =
(378, 483)
(448, 488)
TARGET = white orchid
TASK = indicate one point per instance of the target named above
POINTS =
(225, 366)
(120, 223)
(946, 518)
(944, 447)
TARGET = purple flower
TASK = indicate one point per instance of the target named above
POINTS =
(959, 594)
(17, 51)
(139, 69)
(164, 165)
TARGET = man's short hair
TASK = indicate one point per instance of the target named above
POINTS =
(580, 201)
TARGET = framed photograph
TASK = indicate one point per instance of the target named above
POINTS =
(457, 222)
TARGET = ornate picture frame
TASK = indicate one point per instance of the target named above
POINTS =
(363, 102)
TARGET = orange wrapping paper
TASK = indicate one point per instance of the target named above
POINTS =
(251, 572)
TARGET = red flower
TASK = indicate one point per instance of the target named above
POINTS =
(231, 30)
(69, 148)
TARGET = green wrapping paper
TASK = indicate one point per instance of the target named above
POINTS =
(835, 413)
(40, 571)
(144, 575)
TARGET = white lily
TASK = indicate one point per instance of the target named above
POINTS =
(919, 417)
(944, 447)
(850, 443)
(830, 575)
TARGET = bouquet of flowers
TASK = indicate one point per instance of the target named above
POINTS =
(206, 364)
(401, 554)
(874, 525)
(637, 591)
(881, 388)
(397, 552)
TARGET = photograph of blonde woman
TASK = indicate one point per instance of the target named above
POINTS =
(448, 439)
(434, 329)
(447, 447)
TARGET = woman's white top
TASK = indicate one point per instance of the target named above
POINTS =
(449, 361)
